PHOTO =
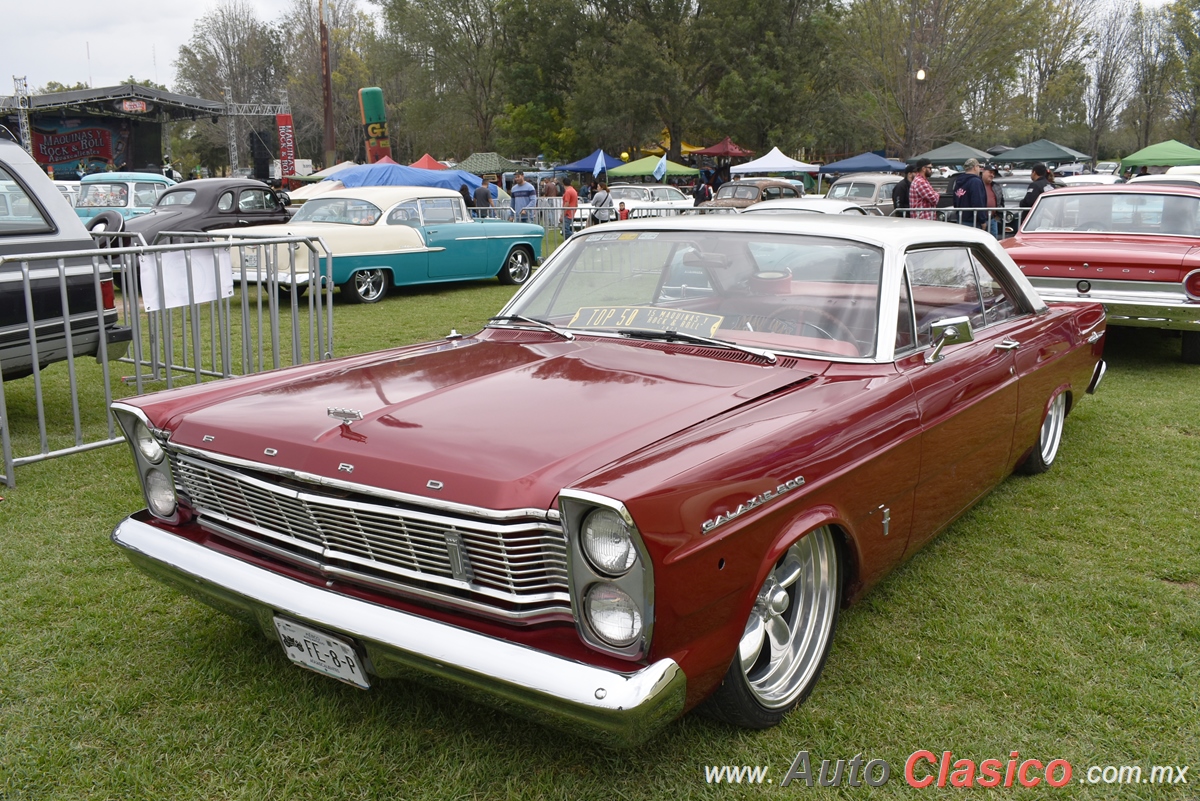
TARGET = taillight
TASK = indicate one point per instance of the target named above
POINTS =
(1191, 284)
(106, 294)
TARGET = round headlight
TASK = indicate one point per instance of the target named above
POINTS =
(146, 444)
(608, 542)
(613, 615)
(160, 493)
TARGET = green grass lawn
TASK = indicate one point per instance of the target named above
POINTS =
(1060, 618)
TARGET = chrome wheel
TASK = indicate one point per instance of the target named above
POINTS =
(367, 286)
(517, 267)
(1052, 429)
(783, 647)
(1049, 438)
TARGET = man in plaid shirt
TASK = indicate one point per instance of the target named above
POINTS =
(921, 195)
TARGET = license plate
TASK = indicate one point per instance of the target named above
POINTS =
(321, 652)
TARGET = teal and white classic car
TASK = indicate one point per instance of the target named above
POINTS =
(383, 236)
(129, 194)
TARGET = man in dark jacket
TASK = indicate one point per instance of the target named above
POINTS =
(900, 191)
(1041, 182)
(969, 193)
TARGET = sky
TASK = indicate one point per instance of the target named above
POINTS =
(49, 41)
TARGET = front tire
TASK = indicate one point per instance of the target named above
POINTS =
(1049, 438)
(366, 286)
(787, 637)
(517, 267)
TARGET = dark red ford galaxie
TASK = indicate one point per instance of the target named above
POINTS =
(650, 483)
(1133, 247)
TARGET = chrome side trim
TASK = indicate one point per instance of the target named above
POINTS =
(361, 489)
(615, 708)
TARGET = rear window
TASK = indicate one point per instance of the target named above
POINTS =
(18, 213)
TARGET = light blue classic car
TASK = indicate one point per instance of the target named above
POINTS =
(129, 194)
(383, 236)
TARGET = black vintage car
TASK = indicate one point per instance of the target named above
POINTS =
(209, 203)
(35, 218)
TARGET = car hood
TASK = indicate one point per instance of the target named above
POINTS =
(503, 425)
(1130, 258)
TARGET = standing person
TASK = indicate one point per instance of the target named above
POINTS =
(483, 198)
(570, 201)
(900, 191)
(995, 200)
(921, 194)
(622, 212)
(601, 203)
(969, 193)
(523, 197)
(466, 194)
(702, 193)
(1041, 182)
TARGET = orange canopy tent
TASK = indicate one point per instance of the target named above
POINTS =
(428, 162)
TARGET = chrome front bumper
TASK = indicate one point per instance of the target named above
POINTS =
(617, 709)
(1137, 304)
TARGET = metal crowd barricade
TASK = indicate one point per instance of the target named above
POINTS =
(1002, 222)
(177, 332)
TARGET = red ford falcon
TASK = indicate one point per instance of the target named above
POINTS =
(1133, 247)
(650, 483)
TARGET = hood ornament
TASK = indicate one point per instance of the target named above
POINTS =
(347, 416)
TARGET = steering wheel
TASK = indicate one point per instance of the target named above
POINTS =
(835, 329)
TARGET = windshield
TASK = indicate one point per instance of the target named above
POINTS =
(344, 210)
(625, 193)
(95, 195)
(783, 292)
(1126, 213)
(182, 198)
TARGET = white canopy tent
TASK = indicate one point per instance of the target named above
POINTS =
(774, 161)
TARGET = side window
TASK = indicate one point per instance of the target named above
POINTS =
(906, 326)
(998, 304)
(770, 193)
(943, 286)
(785, 192)
(21, 214)
(436, 211)
(406, 213)
(144, 194)
(885, 192)
(225, 202)
(253, 200)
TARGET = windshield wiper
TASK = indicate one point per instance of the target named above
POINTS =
(567, 335)
(696, 339)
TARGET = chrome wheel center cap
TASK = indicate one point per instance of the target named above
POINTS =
(779, 601)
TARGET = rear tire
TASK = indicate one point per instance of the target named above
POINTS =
(1191, 347)
(787, 637)
(366, 286)
(517, 267)
(1049, 438)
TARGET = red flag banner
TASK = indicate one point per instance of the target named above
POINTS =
(287, 145)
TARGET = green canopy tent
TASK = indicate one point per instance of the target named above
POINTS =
(1043, 150)
(1170, 153)
(646, 166)
(953, 155)
(487, 164)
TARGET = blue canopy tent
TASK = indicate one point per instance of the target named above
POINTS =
(588, 163)
(399, 175)
(864, 162)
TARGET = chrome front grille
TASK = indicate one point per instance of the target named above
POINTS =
(515, 570)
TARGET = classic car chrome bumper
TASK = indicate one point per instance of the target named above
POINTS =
(618, 709)
(1138, 304)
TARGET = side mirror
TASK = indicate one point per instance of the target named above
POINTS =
(284, 198)
(951, 331)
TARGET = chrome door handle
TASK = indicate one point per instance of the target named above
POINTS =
(1008, 344)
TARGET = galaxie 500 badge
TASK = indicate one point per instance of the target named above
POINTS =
(758, 500)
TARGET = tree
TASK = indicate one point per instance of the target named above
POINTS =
(1154, 65)
(1185, 92)
(916, 61)
(53, 87)
(1108, 73)
(230, 48)
(1051, 72)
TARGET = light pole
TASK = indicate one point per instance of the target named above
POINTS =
(327, 82)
